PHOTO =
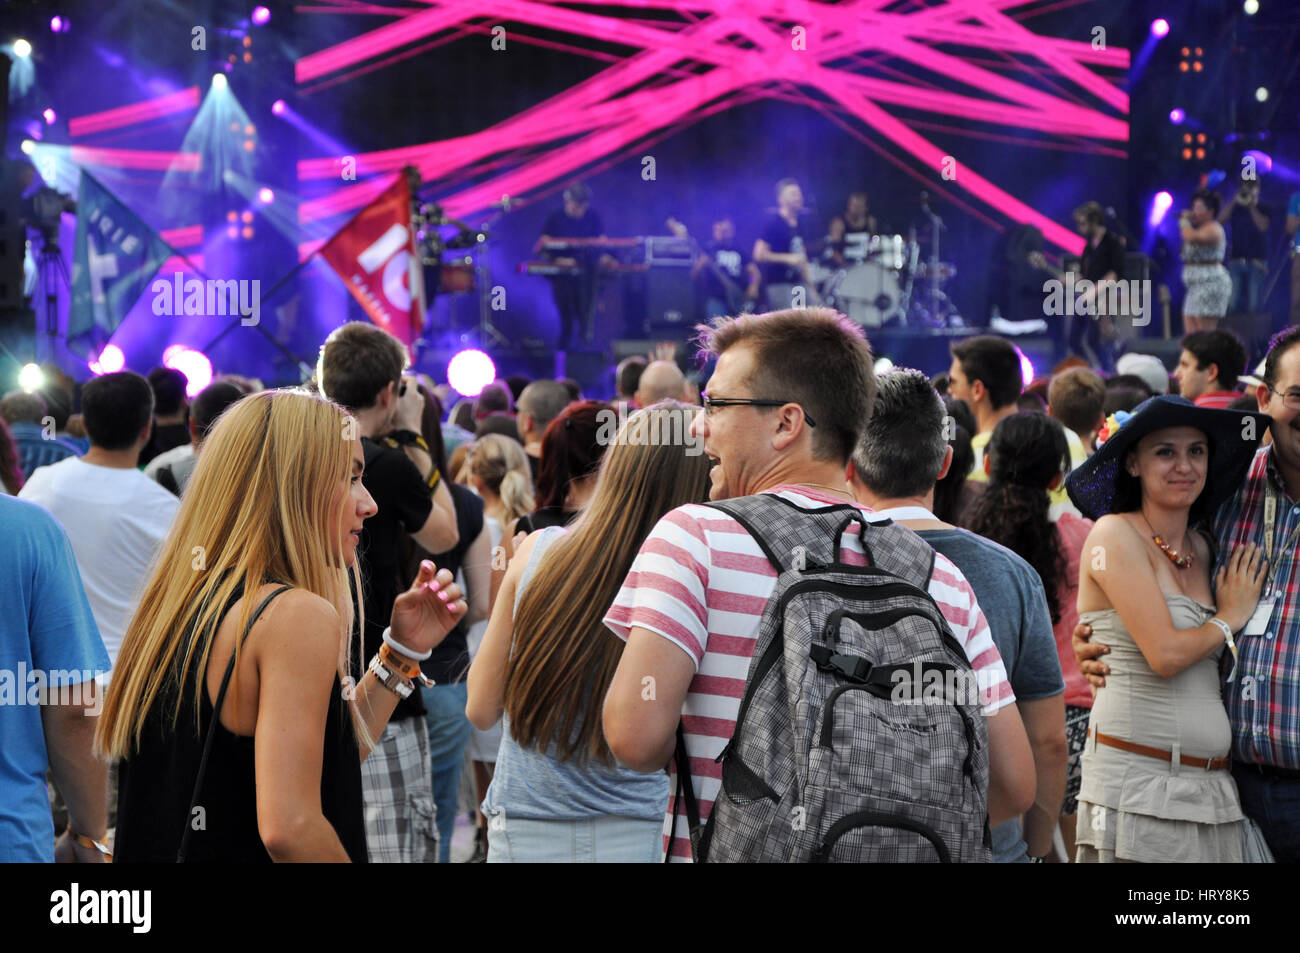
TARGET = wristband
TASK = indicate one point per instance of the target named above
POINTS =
(395, 683)
(83, 840)
(405, 438)
(403, 650)
(395, 662)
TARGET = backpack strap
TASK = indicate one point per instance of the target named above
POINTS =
(781, 528)
(212, 727)
(686, 789)
(167, 479)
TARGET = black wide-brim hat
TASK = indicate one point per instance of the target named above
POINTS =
(1233, 438)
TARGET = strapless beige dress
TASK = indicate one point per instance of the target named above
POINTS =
(1144, 810)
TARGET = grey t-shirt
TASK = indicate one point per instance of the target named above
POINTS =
(1011, 594)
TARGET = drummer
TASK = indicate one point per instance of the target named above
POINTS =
(848, 239)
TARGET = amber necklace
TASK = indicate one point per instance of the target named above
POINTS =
(1183, 561)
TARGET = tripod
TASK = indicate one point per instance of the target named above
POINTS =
(52, 268)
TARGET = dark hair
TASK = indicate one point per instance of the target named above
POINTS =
(814, 357)
(168, 386)
(1128, 488)
(1282, 342)
(575, 389)
(1031, 403)
(495, 398)
(11, 468)
(1091, 212)
(58, 394)
(960, 411)
(571, 450)
(993, 361)
(517, 383)
(948, 491)
(1218, 347)
(1209, 198)
(1076, 397)
(116, 408)
(1245, 402)
(1027, 451)
(1124, 392)
(431, 430)
(628, 375)
(357, 361)
(211, 403)
(502, 424)
(578, 193)
(21, 407)
(901, 449)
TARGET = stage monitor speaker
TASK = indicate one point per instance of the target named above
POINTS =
(670, 302)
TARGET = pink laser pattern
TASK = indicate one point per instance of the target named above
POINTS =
(721, 52)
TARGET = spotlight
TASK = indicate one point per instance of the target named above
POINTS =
(247, 231)
(1026, 367)
(31, 378)
(265, 195)
(232, 215)
(232, 231)
(470, 371)
(247, 217)
(58, 25)
(111, 360)
(1176, 116)
(49, 117)
(278, 107)
(193, 364)
(1160, 27)
(22, 49)
(28, 147)
(1251, 7)
(1160, 205)
(261, 16)
(218, 81)
(1261, 94)
(1263, 161)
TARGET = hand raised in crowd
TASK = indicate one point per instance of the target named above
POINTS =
(410, 406)
(425, 613)
(1238, 584)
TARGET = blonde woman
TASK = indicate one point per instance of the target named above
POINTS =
(497, 468)
(236, 707)
(547, 659)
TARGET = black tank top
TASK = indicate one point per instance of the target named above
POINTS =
(156, 784)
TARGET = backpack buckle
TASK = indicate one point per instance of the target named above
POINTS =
(853, 667)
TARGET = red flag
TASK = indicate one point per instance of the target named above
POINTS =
(375, 256)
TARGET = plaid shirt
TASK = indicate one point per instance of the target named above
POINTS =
(1263, 699)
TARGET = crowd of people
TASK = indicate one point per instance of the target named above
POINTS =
(320, 623)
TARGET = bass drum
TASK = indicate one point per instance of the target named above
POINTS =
(869, 294)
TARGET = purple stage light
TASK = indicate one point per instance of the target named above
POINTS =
(49, 117)
(111, 360)
(193, 364)
(1176, 116)
(1263, 161)
(265, 195)
(261, 16)
(1160, 27)
(57, 24)
(1026, 367)
(278, 107)
(1160, 206)
(470, 371)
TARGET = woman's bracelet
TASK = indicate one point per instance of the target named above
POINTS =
(1227, 634)
(83, 840)
(403, 650)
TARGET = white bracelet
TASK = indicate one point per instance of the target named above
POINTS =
(1227, 633)
(404, 651)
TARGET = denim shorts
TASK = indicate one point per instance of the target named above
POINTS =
(599, 840)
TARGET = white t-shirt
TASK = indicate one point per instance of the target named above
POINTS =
(175, 455)
(702, 582)
(117, 520)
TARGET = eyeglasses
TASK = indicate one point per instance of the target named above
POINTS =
(711, 402)
(1290, 400)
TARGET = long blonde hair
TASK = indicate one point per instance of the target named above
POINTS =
(261, 505)
(564, 658)
(502, 465)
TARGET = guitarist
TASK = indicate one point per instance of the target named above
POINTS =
(1092, 333)
(726, 279)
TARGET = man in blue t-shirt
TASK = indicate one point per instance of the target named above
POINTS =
(900, 455)
(50, 657)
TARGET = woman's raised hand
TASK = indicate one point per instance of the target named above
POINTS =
(1238, 585)
(425, 613)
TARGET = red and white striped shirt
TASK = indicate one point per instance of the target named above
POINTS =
(702, 582)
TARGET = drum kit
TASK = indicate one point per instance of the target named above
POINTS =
(890, 285)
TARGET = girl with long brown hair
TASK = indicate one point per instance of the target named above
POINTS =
(253, 582)
(547, 660)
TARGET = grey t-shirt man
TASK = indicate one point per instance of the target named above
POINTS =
(1011, 595)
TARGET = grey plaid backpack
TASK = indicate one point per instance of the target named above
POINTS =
(859, 735)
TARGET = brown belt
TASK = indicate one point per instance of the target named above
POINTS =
(1212, 764)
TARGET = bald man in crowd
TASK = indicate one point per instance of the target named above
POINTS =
(539, 404)
(661, 380)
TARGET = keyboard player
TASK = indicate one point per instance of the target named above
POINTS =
(574, 293)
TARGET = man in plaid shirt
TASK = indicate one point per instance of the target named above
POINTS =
(1263, 694)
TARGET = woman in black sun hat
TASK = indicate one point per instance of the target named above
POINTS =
(1155, 782)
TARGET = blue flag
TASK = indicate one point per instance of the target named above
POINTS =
(116, 256)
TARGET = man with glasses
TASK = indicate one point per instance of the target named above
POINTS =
(784, 407)
(1262, 695)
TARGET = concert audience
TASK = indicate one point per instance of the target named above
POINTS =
(171, 412)
(985, 373)
(899, 457)
(26, 416)
(662, 380)
(570, 462)
(1209, 366)
(539, 404)
(172, 468)
(954, 493)
(11, 468)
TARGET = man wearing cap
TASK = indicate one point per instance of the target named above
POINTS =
(1147, 367)
(1263, 696)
